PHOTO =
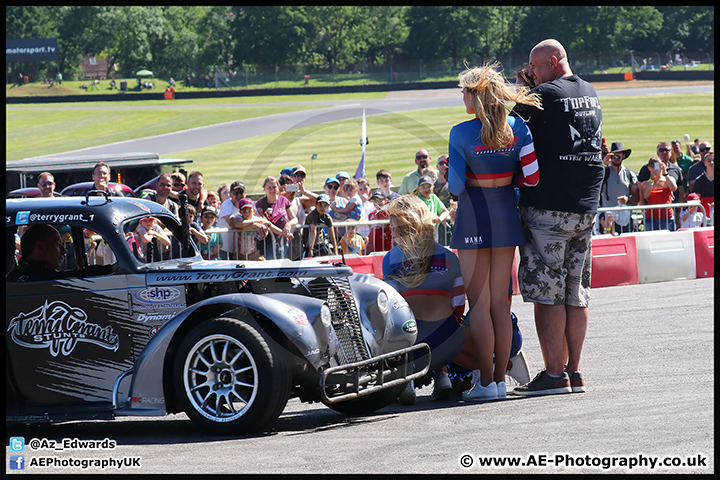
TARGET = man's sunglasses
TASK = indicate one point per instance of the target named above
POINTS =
(46, 184)
(333, 186)
(421, 156)
(705, 149)
(663, 149)
(238, 191)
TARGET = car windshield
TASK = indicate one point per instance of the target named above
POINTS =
(155, 238)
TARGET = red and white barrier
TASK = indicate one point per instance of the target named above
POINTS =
(614, 261)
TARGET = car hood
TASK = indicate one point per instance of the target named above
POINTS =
(209, 271)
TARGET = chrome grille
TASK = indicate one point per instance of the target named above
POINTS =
(345, 320)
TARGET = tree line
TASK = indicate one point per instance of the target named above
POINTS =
(174, 41)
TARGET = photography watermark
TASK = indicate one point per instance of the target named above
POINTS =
(569, 461)
(22, 457)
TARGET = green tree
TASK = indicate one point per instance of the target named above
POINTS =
(337, 34)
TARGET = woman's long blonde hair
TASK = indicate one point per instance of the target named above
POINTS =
(414, 232)
(490, 91)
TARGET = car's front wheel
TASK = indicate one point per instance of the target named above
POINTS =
(230, 377)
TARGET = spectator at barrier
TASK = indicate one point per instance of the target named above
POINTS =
(384, 181)
(351, 242)
(658, 190)
(366, 208)
(149, 230)
(351, 207)
(704, 185)
(314, 237)
(289, 189)
(213, 199)
(663, 153)
(211, 249)
(229, 217)
(342, 177)
(410, 180)
(224, 192)
(196, 229)
(620, 187)
(331, 187)
(46, 184)
(162, 194)
(697, 169)
(681, 160)
(604, 225)
(308, 198)
(441, 185)
(178, 185)
(693, 148)
(253, 231)
(437, 209)
(380, 237)
(277, 210)
(196, 193)
(691, 217)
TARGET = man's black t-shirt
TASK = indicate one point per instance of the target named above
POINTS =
(567, 133)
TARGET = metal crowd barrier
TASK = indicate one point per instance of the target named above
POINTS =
(639, 221)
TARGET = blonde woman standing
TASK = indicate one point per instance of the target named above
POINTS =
(485, 153)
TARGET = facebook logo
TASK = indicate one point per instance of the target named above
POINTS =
(17, 462)
(17, 444)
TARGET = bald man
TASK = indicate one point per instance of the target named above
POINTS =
(558, 215)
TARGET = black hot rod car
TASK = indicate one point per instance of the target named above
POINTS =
(136, 329)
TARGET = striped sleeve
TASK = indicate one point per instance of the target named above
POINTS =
(458, 297)
(528, 161)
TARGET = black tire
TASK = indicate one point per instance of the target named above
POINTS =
(368, 404)
(230, 377)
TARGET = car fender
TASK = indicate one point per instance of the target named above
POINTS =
(298, 317)
(385, 332)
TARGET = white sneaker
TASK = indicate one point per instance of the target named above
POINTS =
(408, 396)
(519, 369)
(501, 390)
(478, 392)
(442, 386)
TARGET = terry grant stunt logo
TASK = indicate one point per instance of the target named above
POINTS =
(59, 327)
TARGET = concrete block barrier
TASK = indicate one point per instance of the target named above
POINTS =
(704, 251)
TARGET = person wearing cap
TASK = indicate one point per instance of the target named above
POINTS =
(691, 217)
(211, 249)
(331, 187)
(229, 217)
(342, 177)
(671, 170)
(307, 198)
(410, 180)
(438, 211)
(620, 187)
(315, 238)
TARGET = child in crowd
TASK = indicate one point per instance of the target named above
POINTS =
(246, 246)
(351, 242)
(210, 250)
(353, 205)
(366, 208)
(213, 199)
(195, 229)
(314, 237)
(384, 181)
(691, 217)
(149, 230)
(380, 238)
(426, 185)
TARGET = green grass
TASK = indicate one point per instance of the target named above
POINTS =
(640, 122)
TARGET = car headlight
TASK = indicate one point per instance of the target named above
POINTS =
(383, 302)
(325, 315)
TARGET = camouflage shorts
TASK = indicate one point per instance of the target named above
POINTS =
(555, 264)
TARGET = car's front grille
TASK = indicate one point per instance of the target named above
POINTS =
(345, 320)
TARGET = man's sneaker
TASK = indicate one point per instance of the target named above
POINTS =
(478, 392)
(518, 368)
(442, 386)
(577, 384)
(408, 396)
(544, 384)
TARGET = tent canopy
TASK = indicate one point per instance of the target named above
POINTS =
(144, 73)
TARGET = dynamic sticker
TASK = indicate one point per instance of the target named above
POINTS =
(59, 327)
